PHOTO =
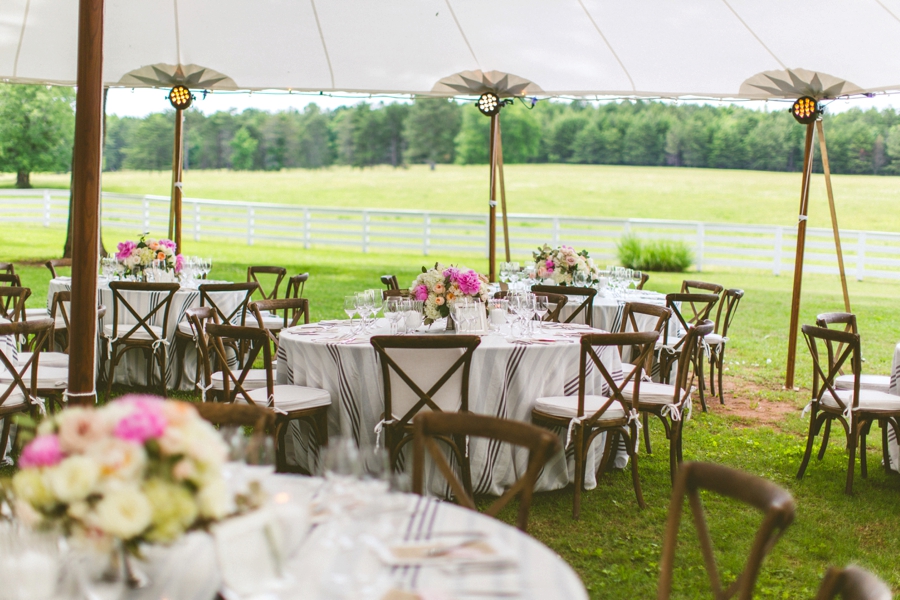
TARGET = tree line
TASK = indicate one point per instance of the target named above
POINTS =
(37, 123)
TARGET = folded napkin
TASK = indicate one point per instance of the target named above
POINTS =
(251, 551)
(474, 548)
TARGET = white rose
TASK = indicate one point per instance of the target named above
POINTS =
(204, 444)
(123, 513)
(214, 500)
(118, 458)
(74, 478)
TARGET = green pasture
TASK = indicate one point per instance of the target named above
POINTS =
(615, 547)
(713, 195)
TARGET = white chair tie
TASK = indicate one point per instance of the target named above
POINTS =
(379, 427)
(156, 344)
(203, 390)
(68, 394)
(576, 421)
(671, 410)
(635, 417)
(39, 402)
(109, 345)
(467, 446)
(806, 409)
(687, 409)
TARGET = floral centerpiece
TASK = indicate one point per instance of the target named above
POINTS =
(439, 289)
(138, 470)
(560, 264)
(137, 256)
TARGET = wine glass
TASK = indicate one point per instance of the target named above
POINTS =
(541, 307)
(207, 267)
(377, 301)
(636, 277)
(579, 278)
(513, 273)
(504, 272)
(350, 308)
(392, 312)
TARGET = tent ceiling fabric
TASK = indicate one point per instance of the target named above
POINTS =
(475, 83)
(690, 48)
(796, 83)
(192, 76)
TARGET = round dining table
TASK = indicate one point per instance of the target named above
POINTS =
(507, 377)
(182, 361)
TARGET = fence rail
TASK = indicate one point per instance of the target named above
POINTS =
(866, 253)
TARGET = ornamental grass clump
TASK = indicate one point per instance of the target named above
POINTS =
(654, 255)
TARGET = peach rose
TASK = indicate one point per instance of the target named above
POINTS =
(439, 288)
(439, 300)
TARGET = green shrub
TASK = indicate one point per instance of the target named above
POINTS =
(654, 255)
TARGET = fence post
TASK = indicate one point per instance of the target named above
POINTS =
(861, 256)
(46, 208)
(306, 228)
(250, 223)
(426, 233)
(146, 214)
(365, 232)
(779, 242)
(700, 235)
(196, 221)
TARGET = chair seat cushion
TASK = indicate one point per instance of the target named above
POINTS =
(49, 378)
(139, 334)
(567, 407)
(270, 321)
(48, 359)
(15, 399)
(652, 393)
(869, 400)
(292, 397)
(713, 339)
(185, 328)
(256, 379)
(878, 383)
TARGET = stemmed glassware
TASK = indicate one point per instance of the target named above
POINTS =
(636, 277)
(109, 266)
(513, 274)
(541, 308)
(350, 307)
(580, 278)
(393, 312)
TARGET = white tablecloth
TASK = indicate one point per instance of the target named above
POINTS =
(505, 381)
(132, 369)
(893, 446)
(607, 313)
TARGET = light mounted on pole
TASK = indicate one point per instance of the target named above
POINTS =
(806, 110)
(180, 97)
(490, 104)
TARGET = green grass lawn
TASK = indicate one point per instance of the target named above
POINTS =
(713, 195)
(615, 547)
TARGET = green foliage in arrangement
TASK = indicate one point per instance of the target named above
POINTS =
(670, 256)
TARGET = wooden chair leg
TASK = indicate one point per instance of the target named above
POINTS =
(579, 470)
(164, 370)
(701, 382)
(885, 452)
(863, 465)
(646, 418)
(113, 362)
(673, 449)
(825, 435)
(721, 370)
(810, 438)
(4, 438)
(852, 440)
(635, 478)
(712, 375)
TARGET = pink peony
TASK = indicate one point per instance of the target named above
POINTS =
(452, 273)
(145, 422)
(179, 263)
(550, 266)
(421, 293)
(125, 250)
(42, 451)
(469, 283)
(167, 244)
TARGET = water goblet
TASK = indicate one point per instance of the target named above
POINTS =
(392, 312)
(636, 277)
(350, 307)
(541, 308)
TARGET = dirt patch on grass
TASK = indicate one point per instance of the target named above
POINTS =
(755, 404)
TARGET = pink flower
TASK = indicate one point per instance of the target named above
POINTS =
(421, 293)
(145, 422)
(469, 283)
(550, 266)
(167, 244)
(42, 451)
(452, 273)
(179, 263)
(571, 260)
(125, 250)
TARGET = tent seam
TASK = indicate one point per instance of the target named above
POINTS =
(322, 38)
(608, 45)
(462, 33)
(21, 37)
(177, 33)
(753, 33)
(887, 10)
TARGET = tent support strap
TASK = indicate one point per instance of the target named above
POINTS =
(834, 223)
(502, 190)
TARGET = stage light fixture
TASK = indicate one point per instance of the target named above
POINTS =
(180, 97)
(806, 110)
(489, 104)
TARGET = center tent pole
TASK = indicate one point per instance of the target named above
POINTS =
(492, 218)
(86, 168)
(177, 165)
(798, 261)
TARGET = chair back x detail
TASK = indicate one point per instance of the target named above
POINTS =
(256, 342)
(587, 304)
(17, 393)
(52, 265)
(278, 272)
(238, 315)
(123, 311)
(12, 302)
(429, 427)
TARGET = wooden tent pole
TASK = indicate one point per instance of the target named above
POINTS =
(86, 168)
(502, 190)
(798, 261)
(177, 165)
(834, 224)
(492, 218)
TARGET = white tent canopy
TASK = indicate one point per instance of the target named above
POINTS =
(689, 48)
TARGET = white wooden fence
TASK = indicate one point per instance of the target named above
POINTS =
(768, 247)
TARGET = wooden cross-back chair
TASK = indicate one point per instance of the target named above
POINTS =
(689, 286)
(294, 310)
(152, 340)
(645, 277)
(10, 279)
(718, 339)
(855, 409)
(296, 285)
(18, 376)
(558, 300)
(777, 507)
(688, 309)
(223, 414)
(209, 378)
(852, 583)
(429, 372)
(7, 268)
(614, 413)
(847, 322)
(630, 313)
(429, 427)
(390, 282)
(12, 302)
(56, 263)
(291, 402)
(586, 306)
(672, 404)
(385, 294)
(253, 274)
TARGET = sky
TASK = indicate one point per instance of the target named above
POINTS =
(141, 102)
